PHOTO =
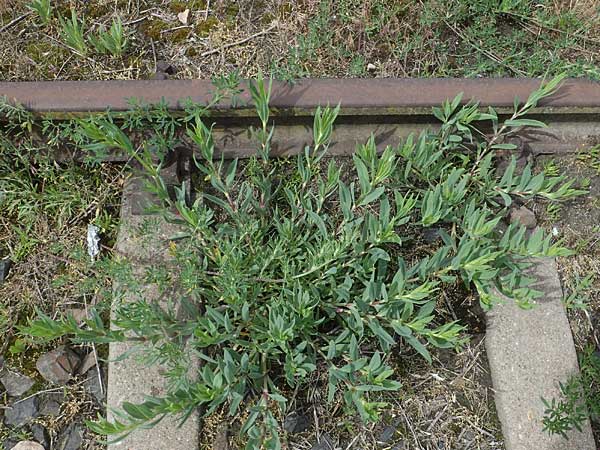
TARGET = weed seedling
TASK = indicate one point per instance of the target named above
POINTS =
(43, 8)
(72, 32)
(579, 399)
(112, 41)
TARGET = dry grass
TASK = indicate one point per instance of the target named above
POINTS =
(318, 38)
(53, 273)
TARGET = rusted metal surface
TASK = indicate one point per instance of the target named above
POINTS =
(391, 109)
(357, 96)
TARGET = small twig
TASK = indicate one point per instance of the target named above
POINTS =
(14, 21)
(352, 443)
(133, 22)
(241, 41)
(487, 433)
(127, 69)
(484, 51)
(63, 66)
(207, 9)
(449, 305)
(412, 430)
(154, 55)
(37, 287)
(94, 352)
(168, 30)
(45, 391)
(437, 417)
(316, 423)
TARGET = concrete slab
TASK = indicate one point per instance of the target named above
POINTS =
(530, 352)
(129, 380)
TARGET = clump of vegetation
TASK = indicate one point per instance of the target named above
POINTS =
(72, 31)
(286, 274)
(44, 209)
(112, 41)
(579, 399)
(43, 8)
(431, 38)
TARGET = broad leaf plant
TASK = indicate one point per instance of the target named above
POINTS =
(313, 264)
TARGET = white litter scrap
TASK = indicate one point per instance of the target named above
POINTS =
(92, 241)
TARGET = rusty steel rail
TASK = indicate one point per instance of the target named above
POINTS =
(380, 96)
(389, 108)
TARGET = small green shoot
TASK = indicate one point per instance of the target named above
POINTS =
(579, 399)
(577, 298)
(72, 32)
(113, 41)
(43, 8)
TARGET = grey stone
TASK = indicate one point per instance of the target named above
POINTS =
(79, 314)
(15, 383)
(9, 444)
(28, 445)
(21, 413)
(5, 265)
(165, 67)
(124, 380)
(221, 440)
(323, 443)
(523, 216)
(39, 434)
(49, 406)
(468, 436)
(159, 76)
(530, 352)
(431, 235)
(70, 438)
(442, 444)
(58, 365)
(92, 385)
(401, 446)
(386, 434)
(88, 362)
(296, 423)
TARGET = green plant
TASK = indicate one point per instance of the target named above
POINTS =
(17, 119)
(112, 41)
(591, 157)
(551, 168)
(293, 268)
(553, 211)
(577, 298)
(43, 8)
(579, 399)
(35, 189)
(72, 32)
